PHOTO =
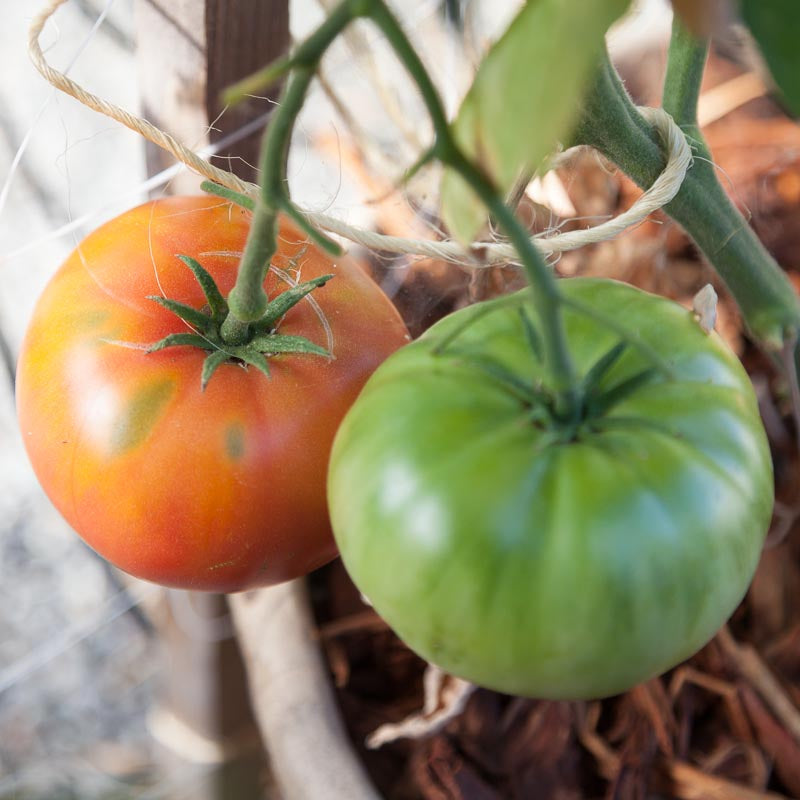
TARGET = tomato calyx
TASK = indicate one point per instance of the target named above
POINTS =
(263, 339)
(597, 398)
(597, 401)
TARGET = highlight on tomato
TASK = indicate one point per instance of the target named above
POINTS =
(218, 488)
(550, 557)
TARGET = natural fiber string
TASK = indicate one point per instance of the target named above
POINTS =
(665, 187)
(141, 126)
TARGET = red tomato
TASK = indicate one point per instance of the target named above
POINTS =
(222, 489)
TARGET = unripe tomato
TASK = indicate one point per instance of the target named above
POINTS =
(538, 556)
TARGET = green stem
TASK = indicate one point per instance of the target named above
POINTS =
(546, 294)
(380, 14)
(248, 300)
(612, 124)
(685, 66)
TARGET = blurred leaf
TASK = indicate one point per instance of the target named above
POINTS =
(525, 97)
(775, 24)
(702, 17)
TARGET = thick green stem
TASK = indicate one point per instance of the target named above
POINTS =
(546, 294)
(248, 299)
(612, 124)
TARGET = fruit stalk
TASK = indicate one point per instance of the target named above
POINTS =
(613, 125)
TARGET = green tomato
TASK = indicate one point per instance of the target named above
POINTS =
(542, 558)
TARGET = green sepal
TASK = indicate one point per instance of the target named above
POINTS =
(250, 355)
(239, 199)
(197, 319)
(598, 405)
(180, 340)
(601, 367)
(216, 302)
(286, 300)
(210, 365)
(636, 423)
(495, 370)
(477, 311)
(277, 343)
(531, 334)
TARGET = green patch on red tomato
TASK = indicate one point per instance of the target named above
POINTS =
(546, 558)
(138, 417)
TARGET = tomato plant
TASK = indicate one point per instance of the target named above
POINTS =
(549, 557)
(223, 488)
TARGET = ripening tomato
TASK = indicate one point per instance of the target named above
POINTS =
(219, 489)
(552, 558)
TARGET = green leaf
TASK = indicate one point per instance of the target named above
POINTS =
(276, 343)
(775, 25)
(525, 98)
(181, 340)
(216, 302)
(197, 319)
(286, 300)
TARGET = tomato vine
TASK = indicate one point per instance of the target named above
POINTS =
(611, 123)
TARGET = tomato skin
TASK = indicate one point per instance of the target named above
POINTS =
(222, 489)
(554, 569)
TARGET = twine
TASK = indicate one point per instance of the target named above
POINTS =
(479, 254)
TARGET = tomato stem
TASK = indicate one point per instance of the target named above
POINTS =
(248, 299)
(547, 297)
(685, 66)
(613, 125)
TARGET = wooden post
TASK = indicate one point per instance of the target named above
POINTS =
(188, 51)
